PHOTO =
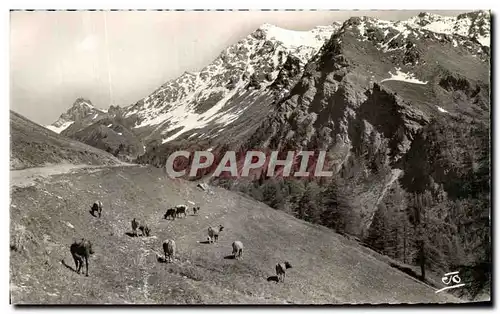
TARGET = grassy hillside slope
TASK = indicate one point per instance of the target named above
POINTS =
(46, 218)
(33, 145)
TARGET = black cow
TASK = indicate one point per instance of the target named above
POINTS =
(145, 230)
(171, 212)
(181, 209)
(81, 251)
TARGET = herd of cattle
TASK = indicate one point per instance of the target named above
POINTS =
(82, 250)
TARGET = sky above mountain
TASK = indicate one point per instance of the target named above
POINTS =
(120, 57)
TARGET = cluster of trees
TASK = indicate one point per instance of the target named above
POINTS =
(437, 233)
(120, 149)
(323, 202)
(439, 219)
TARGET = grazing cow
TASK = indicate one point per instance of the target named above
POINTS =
(96, 207)
(181, 209)
(196, 209)
(237, 249)
(281, 270)
(135, 225)
(145, 230)
(213, 234)
(171, 212)
(169, 250)
(81, 251)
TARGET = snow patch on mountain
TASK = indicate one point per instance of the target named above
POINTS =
(402, 76)
(294, 39)
(440, 27)
(59, 129)
(85, 103)
(362, 30)
(483, 40)
(182, 117)
(473, 25)
(441, 109)
(435, 23)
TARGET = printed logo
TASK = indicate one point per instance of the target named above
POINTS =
(234, 164)
(451, 278)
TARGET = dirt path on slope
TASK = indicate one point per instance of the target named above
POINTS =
(28, 177)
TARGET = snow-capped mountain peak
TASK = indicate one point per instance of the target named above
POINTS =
(473, 24)
(197, 99)
(81, 109)
(59, 126)
(293, 39)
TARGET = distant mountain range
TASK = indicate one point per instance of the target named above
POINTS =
(250, 76)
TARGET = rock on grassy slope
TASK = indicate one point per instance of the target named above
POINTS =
(34, 145)
(46, 218)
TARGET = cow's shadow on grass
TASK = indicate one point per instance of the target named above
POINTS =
(229, 257)
(67, 266)
(131, 234)
(205, 242)
(161, 259)
(273, 278)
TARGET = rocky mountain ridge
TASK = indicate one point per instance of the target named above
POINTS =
(262, 67)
